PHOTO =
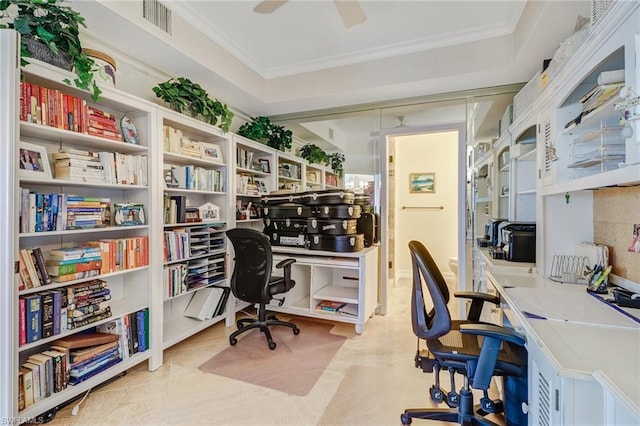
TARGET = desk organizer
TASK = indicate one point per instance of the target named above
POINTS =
(569, 269)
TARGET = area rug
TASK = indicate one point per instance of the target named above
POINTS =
(293, 366)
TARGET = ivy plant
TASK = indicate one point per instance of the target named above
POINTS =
(56, 26)
(261, 129)
(336, 160)
(190, 98)
(313, 154)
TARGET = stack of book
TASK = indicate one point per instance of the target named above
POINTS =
(87, 212)
(73, 263)
(103, 124)
(89, 354)
(329, 306)
(207, 303)
(77, 164)
(87, 302)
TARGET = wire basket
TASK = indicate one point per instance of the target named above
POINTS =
(569, 269)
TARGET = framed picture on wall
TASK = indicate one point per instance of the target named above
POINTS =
(422, 183)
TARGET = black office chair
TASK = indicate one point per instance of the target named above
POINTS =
(476, 350)
(252, 281)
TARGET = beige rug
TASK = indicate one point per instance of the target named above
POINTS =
(293, 367)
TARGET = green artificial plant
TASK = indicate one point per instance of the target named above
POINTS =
(313, 154)
(56, 26)
(190, 98)
(335, 161)
(262, 130)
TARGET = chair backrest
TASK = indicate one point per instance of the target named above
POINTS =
(253, 263)
(437, 321)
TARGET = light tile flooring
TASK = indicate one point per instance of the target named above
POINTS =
(381, 382)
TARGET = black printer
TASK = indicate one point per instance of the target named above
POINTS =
(518, 241)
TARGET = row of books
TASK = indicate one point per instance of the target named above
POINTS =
(78, 357)
(101, 167)
(207, 303)
(198, 178)
(42, 375)
(52, 312)
(132, 330)
(44, 212)
(176, 142)
(181, 278)
(175, 209)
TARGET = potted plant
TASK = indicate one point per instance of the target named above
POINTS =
(50, 32)
(313, 154)
(335, 161)
(261, 129)
(187, 97)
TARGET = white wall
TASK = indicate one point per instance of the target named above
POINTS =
(436, 229)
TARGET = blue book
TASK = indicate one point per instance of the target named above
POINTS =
(33, 312)
(39, 211)
(57, 311)
(142, 337)
(53, 223)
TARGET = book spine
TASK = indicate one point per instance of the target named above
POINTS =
(41, 265)
(57, 309)
(141, 331)
(72, 323)
(22, 327)
(47, 314)
(32, 317)
(77, 276)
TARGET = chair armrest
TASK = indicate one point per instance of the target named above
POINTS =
(493, 337)
(477, 302)
(285, 263)
(493, 331)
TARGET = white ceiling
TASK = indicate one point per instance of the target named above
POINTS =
(301, 57)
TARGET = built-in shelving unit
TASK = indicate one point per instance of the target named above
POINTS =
(195, 213)
(74, 204)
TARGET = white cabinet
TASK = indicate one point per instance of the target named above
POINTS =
(350, 278)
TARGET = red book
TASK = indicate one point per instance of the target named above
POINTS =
(22, 322)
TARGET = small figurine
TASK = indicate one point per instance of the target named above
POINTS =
(170, 179)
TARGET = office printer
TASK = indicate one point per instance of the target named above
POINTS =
(518, 241)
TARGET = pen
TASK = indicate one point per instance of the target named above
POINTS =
(533, 316)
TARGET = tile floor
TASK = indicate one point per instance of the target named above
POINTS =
(381, 382)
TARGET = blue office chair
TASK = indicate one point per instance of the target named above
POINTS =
(476, 350)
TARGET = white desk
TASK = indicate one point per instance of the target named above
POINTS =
(589, 352)
(350, 278)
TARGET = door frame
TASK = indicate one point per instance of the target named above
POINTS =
(384, 284)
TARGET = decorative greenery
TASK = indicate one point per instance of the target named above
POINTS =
(57, 26)
(314, 154)
(262, 130)
(335, 160)
(190, 98)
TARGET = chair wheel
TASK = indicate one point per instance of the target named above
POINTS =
(233, 341)
(436, 394)
(296, 331)
(404, 419)
(453, 399)
(272, 345)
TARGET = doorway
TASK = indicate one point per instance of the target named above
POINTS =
(422, 198)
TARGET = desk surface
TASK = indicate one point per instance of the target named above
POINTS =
(579, 334)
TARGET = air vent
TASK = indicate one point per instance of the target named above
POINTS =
(544, 400)
(158, 14)
(599, 9)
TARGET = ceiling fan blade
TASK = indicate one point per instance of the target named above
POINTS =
(351, 12)
(268, 6)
